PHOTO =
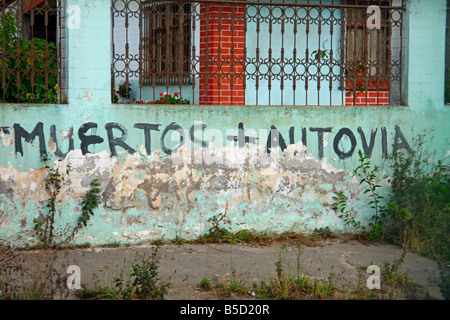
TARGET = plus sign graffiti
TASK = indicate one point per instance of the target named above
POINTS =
(169, 138)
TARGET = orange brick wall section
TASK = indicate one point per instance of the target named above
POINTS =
(222, 55)
(369, 98)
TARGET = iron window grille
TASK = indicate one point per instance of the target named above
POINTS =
(296, 52)
(31, 47)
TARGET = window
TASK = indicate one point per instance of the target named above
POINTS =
(166, 42)
(367, 51)
(259, 52)
(30, 55)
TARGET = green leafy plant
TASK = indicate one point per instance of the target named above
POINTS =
(360, 68)
(232, 285)
(319, 54)
(244, 235)
(205, 284)
(323, 233)
(146, 284)
(444, 285)
(340, 205)
(217, 233)
(355, 70)
(142, 282)
(286, 286)
(44, 225)
(419, 205)
(124, 90)
(416, 214)
(90, 202)
(368, 176)
(178, 239)
(398, 285)
(101, 293)
(33, 63)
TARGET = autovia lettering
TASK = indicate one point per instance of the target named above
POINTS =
(115, 136)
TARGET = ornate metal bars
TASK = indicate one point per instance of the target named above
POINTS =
(31, 53)
(272, 52)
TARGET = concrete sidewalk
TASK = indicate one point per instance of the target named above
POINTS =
(186, 265)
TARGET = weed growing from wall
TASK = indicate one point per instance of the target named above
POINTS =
(44, 226)
(340, 205)
(368, 177)
(217, 232)
(416, 213)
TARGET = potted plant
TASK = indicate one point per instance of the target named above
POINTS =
(357, 68)
(169, 99)
(124, 90)
(361, 68)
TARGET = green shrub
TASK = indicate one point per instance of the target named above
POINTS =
(145, 284)
(419, 205)
(34, 61)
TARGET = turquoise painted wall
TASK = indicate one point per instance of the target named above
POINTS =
(148, 195)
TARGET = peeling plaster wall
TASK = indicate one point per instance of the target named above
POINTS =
(167, 170)
(149, 197)
(194, 172)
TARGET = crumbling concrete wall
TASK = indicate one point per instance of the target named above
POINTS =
(164, 179)
(167, 170)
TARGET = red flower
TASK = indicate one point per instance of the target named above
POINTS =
(142, 101)
(162, 100)
(151, 102)
(176, 93)
(161, 94)
(134, 99)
